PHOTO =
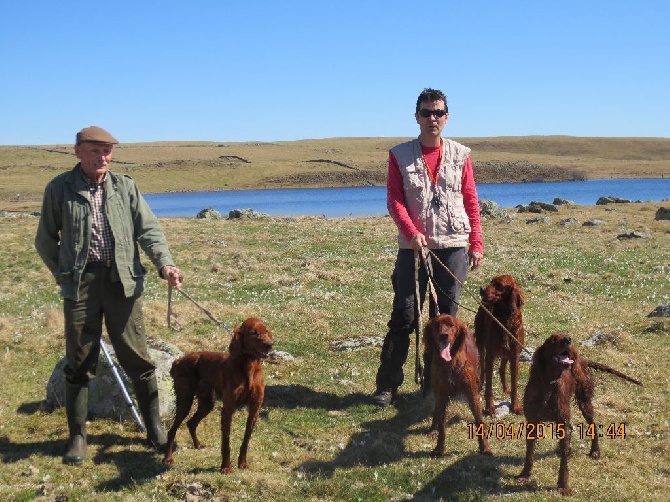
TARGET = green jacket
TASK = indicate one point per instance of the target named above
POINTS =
(64, 231)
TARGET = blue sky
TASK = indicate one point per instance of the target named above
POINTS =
(286, 70)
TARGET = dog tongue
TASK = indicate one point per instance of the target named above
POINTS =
(564, 360)
(445, 351)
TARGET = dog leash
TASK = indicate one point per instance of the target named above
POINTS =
(220, 324)
(480, 304)
(418, 369)
(428, 265)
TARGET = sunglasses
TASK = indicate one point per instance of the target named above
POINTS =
(437, 113)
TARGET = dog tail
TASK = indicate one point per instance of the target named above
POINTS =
(612, 371)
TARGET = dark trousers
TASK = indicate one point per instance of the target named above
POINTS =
(403, 316)
(101, 298)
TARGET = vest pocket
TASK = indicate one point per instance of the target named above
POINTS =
(458, 219)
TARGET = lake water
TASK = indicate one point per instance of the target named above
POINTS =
(371, 201)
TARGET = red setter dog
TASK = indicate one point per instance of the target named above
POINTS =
(503, 298)
(556, 374)
(236, 377)
(453, 368)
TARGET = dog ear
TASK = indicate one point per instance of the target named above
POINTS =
(520, 298)
(235, 347)
(461, 334)
(539, 358)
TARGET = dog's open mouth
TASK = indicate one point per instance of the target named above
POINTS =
(563, 359)
(445, 351)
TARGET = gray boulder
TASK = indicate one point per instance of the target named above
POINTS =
(245, 213)
(661, 311)
(663, 213)
(490, 209)
(210, 214)
(610, 200)
(105, 396)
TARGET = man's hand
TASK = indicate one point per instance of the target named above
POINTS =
(173, 276)
(418, 242)
(476, 259)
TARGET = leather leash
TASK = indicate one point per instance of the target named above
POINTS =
(479, 303)
(220, 324)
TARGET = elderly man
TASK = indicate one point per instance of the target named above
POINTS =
(432, 199)
(92, 224)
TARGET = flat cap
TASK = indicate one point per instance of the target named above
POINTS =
(95, 134)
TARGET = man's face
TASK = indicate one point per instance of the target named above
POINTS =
(95, 159)
(432, 125)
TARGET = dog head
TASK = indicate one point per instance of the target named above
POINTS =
(443, 335)
(503, 292)
(251, 338)
(557, 351)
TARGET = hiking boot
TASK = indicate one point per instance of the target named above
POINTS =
(384, 397)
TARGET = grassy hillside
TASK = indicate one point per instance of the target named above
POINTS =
(316, 282)
(185, 166)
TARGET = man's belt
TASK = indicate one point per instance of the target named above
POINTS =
(99, 264)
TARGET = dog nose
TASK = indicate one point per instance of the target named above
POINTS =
(567, 340)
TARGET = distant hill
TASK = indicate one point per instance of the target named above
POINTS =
(199, 165)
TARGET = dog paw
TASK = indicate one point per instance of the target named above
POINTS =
(436, 453)
(517, 410)
(523, 479)
(565, 491)
(595, 455)
(226, 469)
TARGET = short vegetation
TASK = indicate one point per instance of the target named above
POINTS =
(321, 284)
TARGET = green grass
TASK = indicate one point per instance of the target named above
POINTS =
(316, 281)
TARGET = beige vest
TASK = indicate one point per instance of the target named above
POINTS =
(446, 225)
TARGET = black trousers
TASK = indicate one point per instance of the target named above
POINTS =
(403, 316)
(101, 298)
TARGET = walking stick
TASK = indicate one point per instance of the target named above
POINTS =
(119, 380)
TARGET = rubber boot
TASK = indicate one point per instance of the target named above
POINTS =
(146, 392)
(76, 408)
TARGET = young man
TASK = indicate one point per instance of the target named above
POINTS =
(92, 224)
(432, 198)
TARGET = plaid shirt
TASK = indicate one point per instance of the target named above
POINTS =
(102, 240)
